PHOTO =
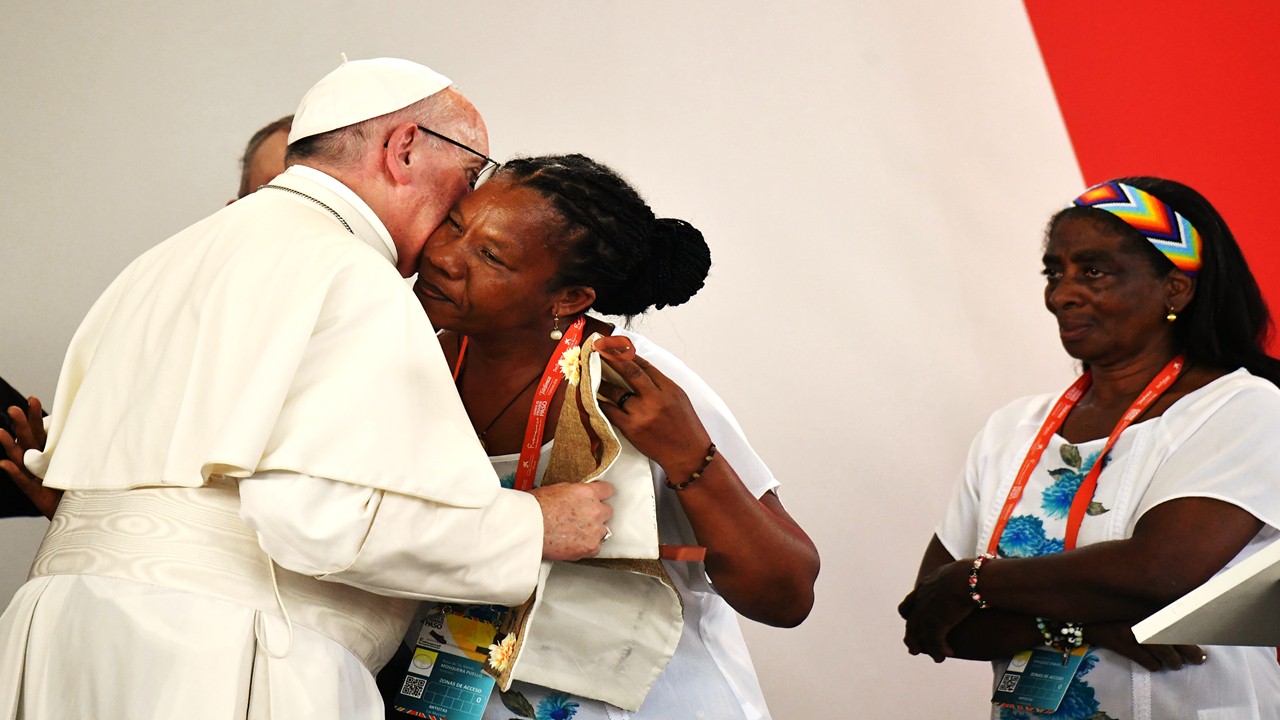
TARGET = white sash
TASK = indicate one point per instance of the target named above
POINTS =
(192, 539)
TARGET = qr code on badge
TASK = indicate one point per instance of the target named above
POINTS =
(435, 617)
(413, 687)
(1009, 682)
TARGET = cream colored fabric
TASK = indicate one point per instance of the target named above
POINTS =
(192, 540)
(599, 632)
(196, 660)
(263, 343)
(173, 585)
(711, 674)
(393, 544)
(240, 344)
(602, 628)
(634, 525)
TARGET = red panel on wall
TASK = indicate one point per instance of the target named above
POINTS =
(1179, 89)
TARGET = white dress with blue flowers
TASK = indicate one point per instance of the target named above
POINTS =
(1221, 441)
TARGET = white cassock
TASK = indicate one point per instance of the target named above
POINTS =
(266, 465)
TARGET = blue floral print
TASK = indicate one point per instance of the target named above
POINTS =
(1024, 536)
(554, 706)
(1051, 546)
(557, 706)
(1056, 500)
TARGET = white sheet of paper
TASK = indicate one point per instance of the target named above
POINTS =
(1238, 607)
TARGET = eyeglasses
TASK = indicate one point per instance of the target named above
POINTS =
(490, 165)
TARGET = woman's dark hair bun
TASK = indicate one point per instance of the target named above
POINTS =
(673, 269)
(679, 262)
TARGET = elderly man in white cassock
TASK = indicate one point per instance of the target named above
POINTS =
(265, 461)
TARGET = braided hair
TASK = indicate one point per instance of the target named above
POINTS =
(613, 242)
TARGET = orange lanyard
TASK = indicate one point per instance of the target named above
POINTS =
(1084, 494)
(536, 427)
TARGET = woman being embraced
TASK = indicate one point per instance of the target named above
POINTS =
(519, 262)
(1079, 515)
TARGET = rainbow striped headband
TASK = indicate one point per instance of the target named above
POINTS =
(1171, 233)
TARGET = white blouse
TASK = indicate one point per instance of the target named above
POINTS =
(1217, 442)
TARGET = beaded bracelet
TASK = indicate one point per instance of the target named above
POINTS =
(706, 461)
(974, 595)
(1061, 636)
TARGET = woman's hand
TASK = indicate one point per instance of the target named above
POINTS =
(760, 560)
(1118, 638)
(939, 602)
(29, 431)
(655, 414)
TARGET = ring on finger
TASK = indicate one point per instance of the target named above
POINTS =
(622, 401)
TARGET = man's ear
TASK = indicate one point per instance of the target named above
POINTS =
(397, 154)
(573, 300)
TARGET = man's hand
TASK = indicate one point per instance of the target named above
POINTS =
(573, 519)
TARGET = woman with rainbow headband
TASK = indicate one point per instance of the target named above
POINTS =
(1045, 559)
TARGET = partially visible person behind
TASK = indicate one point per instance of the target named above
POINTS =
(236, 539)
(263, 157)
(1079, 515)
(517, 265)
(17, 499)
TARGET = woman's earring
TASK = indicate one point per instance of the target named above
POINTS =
(1173, 315)
(555, 327)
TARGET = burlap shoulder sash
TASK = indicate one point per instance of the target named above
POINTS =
(602, 628)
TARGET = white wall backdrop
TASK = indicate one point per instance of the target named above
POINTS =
(873, 178)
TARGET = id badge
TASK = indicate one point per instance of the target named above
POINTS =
(1038, 679)
(445, 679)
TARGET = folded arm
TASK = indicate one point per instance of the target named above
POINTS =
(1175, 547)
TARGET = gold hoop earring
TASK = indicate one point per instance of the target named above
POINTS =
(555, 326)
(1173, 315)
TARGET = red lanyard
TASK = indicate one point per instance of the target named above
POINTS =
(1084, 495)
(536, 427)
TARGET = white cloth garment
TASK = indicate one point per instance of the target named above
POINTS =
(269, 345)
(1217, 442)
(711, 675)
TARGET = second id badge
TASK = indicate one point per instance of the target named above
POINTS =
(1038, 679)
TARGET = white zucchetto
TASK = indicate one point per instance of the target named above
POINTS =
(360, 90)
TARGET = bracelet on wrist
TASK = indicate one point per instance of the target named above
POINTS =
(706, 462)
(976, 568)
(1061, 636)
